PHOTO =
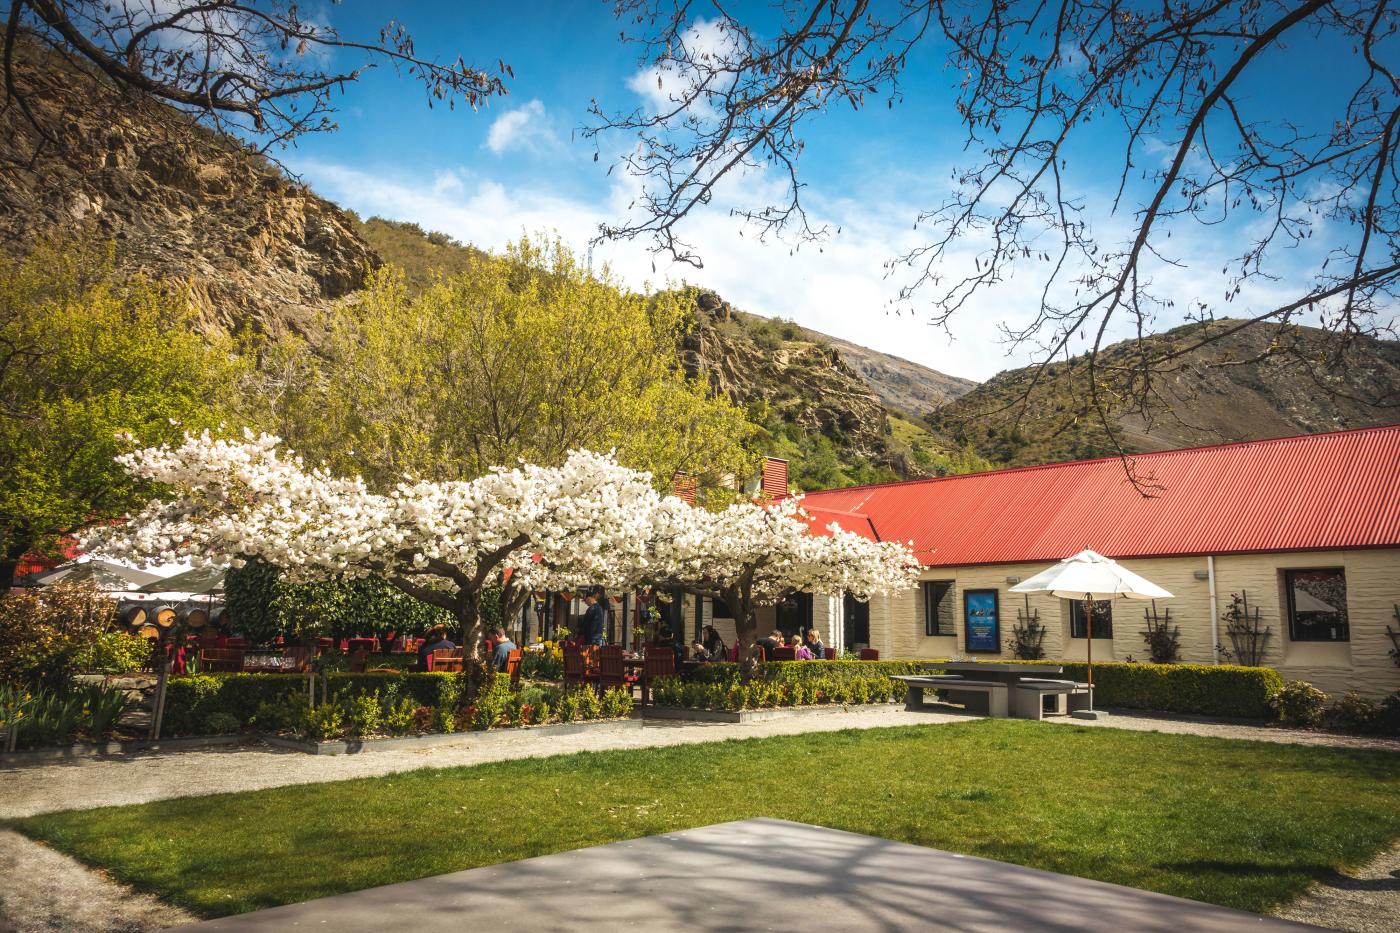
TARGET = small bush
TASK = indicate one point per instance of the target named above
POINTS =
(1387, 720)
(424, 719)
(1299, 703)
(221, 724)
(361, 714)
(1354, 713)
(114, 653)
(399, 718)
(326, 721)
(45, 632)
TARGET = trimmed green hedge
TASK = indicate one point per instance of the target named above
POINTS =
(190, 701)
(1201, 689)
(1228, 690)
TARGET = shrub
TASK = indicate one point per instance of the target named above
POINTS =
(1354, 713)
(221, 724)
(1299, 703)
(44, 632)
(399, 718)
(361, 714)
(1387, 720)
(113, 653)
(424, 719)
(326, 721)
(190, 700)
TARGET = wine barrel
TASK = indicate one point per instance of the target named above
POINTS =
(135, 617)
(197, 618)
(219, 618)
(166, 616)
(149, 631)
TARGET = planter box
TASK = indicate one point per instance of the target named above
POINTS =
(106, 749)
(752, 715)
(357, 746)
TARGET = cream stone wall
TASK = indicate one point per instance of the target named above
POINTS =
(1362, 664)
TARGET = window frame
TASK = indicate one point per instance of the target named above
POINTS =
(1292, 609)
(934, 614)
(1076, 609)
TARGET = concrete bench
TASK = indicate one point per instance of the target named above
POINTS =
(979, 696)
(1028, 698)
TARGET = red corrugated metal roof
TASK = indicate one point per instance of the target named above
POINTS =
(820, 519)
(1314, 492)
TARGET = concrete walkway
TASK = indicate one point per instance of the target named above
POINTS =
(814, 879)
(82, 784)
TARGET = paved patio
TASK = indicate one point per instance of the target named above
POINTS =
(758, 874)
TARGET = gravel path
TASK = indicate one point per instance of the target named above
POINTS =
(1363, 901)
(43, 890)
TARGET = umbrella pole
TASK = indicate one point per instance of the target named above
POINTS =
(1089, 644)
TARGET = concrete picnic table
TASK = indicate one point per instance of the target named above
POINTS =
(994, 689)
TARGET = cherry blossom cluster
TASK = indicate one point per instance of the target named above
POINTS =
(588, 521)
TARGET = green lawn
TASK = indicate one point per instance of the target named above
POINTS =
(1237, 823)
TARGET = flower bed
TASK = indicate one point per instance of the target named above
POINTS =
(364, 705)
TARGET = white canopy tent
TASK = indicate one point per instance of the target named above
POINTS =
(1091, 577)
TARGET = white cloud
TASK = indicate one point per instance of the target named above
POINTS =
(524, 127)
(662, 87)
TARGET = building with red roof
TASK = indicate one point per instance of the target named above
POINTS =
(1306, 530)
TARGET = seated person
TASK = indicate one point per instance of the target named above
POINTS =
(814, 644)
(771, 643)
(504, 646)
(698, 652)
(435, 640)
(799, 650)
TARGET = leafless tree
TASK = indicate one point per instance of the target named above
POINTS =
(1034, 82)
(260, 68)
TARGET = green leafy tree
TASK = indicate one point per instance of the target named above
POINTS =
(90, 366)
(527, 355)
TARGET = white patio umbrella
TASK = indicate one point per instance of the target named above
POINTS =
(1091, 577)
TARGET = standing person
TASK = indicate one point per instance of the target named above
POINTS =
(814, 644)
(714, 645)
(595, 619)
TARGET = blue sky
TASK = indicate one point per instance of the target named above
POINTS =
(519, 166)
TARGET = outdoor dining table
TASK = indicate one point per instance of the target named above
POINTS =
(980, 679)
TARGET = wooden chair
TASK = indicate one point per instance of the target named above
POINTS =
(220, 660)
(785, 654)
(660, 662)
(575, 667)
(831, 653)
(513, 663)
(612, 672)
(445, 659)
(359, 660)
(300, 658)
(869, 654)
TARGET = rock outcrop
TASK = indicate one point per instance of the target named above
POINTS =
(179, 202)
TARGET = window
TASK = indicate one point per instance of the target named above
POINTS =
(940, 616)
(857, 616)
(1317, 605)
(1103, 618)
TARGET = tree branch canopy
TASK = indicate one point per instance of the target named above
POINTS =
(260, 68)
(1164, 99)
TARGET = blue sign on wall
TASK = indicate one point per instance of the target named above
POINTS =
(983, 629)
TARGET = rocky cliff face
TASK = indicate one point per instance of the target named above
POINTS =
(255, 248)
(800, 383)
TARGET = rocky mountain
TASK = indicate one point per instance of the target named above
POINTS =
(1258, 383)
(255, 248)
(905, 387)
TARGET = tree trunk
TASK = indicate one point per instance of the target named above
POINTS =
(745, 631)
(474, 667)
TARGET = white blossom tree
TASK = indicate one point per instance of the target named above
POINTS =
(440, 542)
(755, 554)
